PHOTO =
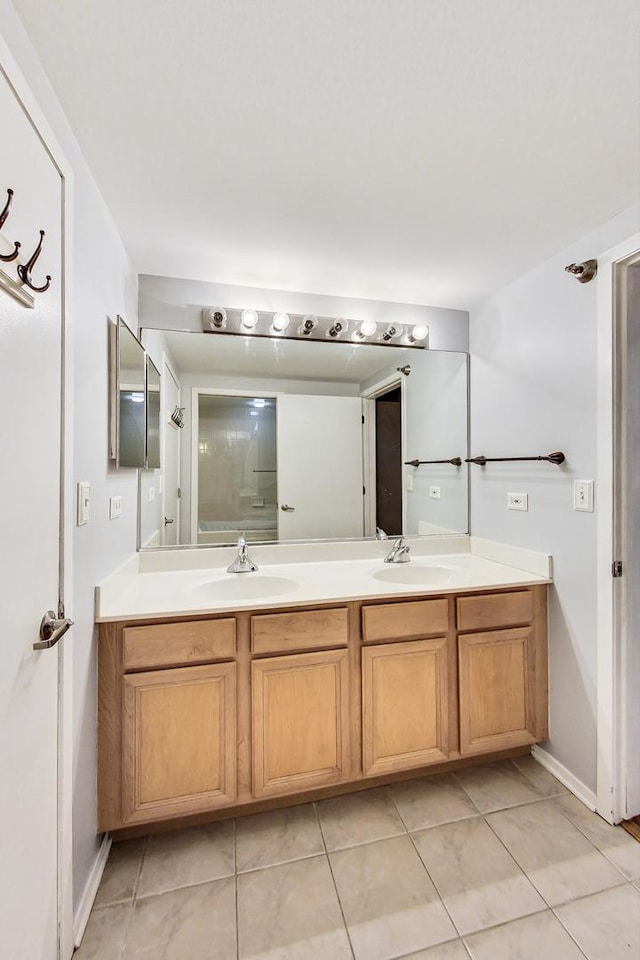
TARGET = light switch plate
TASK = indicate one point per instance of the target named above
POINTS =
(152, 494)
(517, 501)
(409, 481)
(434, 492)
(583, 495)
(115, 507)
(84, 502)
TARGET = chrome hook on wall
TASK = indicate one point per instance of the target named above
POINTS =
(24, 270)
(7, 258)
(583, 272)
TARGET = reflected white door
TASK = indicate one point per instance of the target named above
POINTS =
(319, 467)
(30, 375)
(171, 465)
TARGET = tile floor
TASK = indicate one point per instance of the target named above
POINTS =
(491, 863)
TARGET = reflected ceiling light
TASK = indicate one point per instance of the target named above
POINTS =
(309, 323)
(420, 332)
(366, 329)
(249, 319)
(280, 322)
(216, 317)
(391, 332)
(259, 402)
(339, 326)
(137, 397)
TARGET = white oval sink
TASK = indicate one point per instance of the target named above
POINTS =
(415, 573)
(245, 586)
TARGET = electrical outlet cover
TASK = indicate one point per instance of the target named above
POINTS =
(115, 507)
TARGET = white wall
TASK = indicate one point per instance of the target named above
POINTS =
(533, 390)
(173, 304)
(103, 284)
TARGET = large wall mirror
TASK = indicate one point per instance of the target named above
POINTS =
(287, 440)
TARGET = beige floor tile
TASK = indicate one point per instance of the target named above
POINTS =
(121, 872)
(184, 857)
(539, 937)
(194, 923)
(481, 885)
(616, 844)
(276, 837)
(359, 818)
(291, 912)
(453, 950)
(560, 862)
(497, 786)
(543, 781)
(429, 802)
(105, 934)
(606, 925)
(389, 902)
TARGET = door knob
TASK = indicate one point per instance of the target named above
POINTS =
(52, 628)
(167, 521)
(287, 508)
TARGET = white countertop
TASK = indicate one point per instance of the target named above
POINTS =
(193, 582)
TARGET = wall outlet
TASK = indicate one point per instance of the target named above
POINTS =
(434, 493)
(583, 495)
(152, 494)
(115, 507)
(84, 502)
(517, 501)
(409, 481)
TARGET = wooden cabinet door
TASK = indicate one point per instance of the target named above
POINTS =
(300, 718)
(404, 698)
(179, 737)
(497, 690)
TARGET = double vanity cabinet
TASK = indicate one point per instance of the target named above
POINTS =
(250, 707)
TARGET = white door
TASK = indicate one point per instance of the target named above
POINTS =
(30, 445)
(319, 467)
(171, 464)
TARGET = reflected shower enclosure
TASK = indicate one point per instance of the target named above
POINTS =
(237, 468)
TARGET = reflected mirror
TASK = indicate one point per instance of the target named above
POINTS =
(128, 406)
(153, 415)
(287, 440)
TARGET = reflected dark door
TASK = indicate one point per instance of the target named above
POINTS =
(389, 462)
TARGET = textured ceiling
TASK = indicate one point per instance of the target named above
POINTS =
(425, 151)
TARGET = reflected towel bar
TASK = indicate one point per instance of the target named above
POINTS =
(456, 461)
(558, 457)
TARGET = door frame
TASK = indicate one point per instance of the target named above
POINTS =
(369, 397)
(193, 459)
(611, 661)
(17, 81)
(168, 366)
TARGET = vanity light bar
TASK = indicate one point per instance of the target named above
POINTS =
(296, 326)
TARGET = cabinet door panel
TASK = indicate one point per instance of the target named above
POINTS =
(300, 721)
(497, 709)
(180, 741)
(404, 690)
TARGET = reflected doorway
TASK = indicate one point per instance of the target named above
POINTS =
(388, 459)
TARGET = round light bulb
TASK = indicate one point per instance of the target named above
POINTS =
(420, 332)
(280, 321)
(368, 328)
(308, 325)
(249, 319)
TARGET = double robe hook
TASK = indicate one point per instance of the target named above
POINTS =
(24, 270)
(7, 258)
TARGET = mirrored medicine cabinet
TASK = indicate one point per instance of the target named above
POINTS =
(134, 402)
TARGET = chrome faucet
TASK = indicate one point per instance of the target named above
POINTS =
(399, 552)
(243, 562)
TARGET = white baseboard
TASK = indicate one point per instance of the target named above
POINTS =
(560, 772)
(91, 888)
